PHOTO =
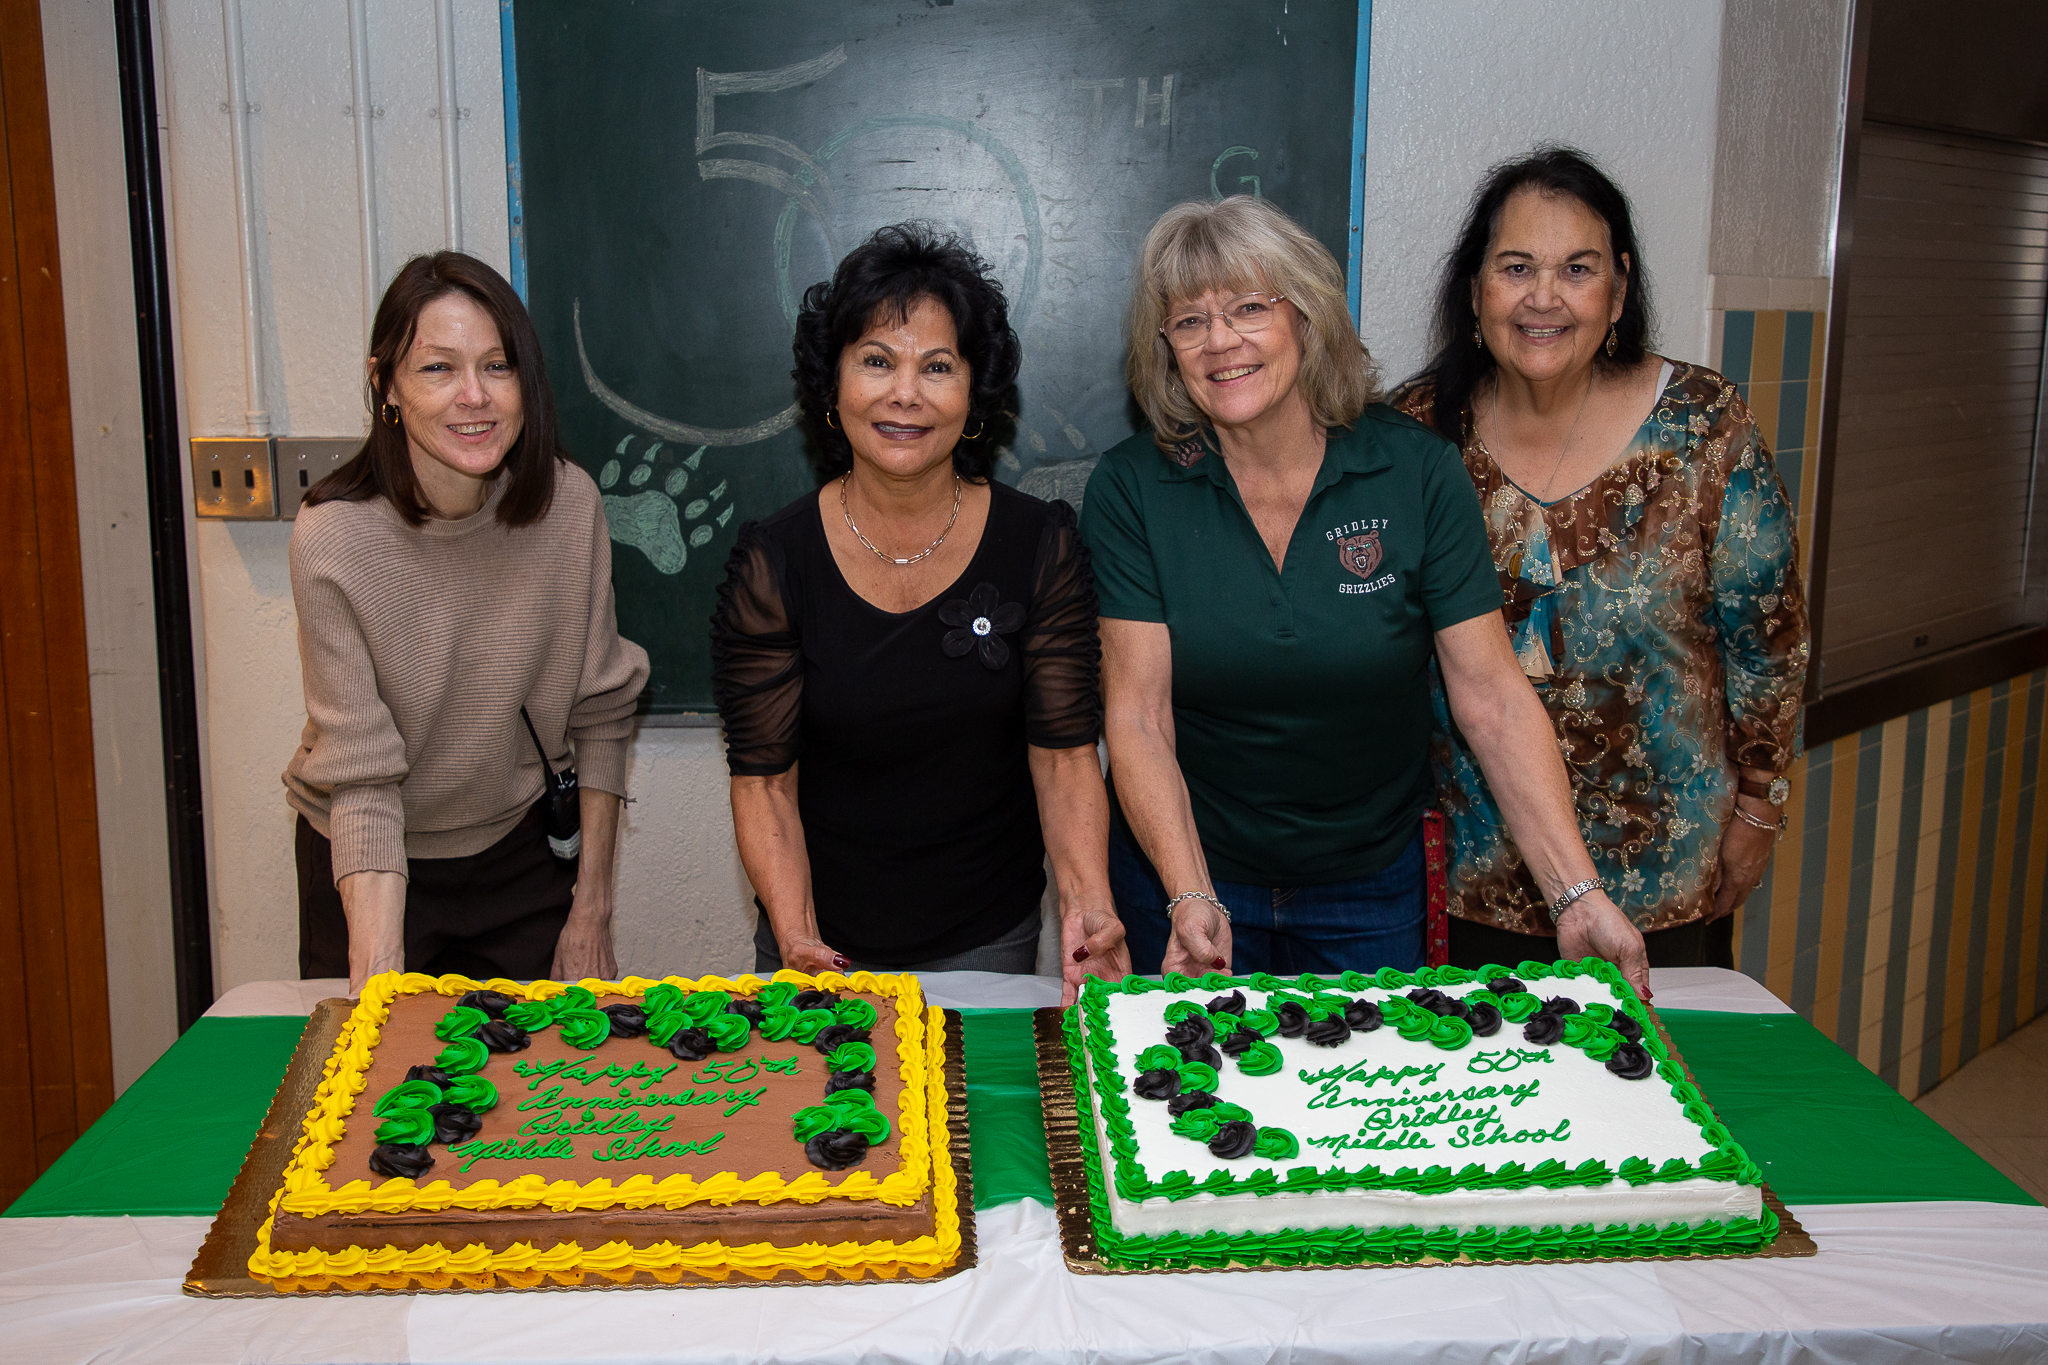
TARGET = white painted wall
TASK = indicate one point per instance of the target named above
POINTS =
(1458, 85)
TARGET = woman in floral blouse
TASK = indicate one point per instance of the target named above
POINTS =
(1648, 568)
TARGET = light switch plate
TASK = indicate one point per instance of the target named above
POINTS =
(303, 461)
(234, 477)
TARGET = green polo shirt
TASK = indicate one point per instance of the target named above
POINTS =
(1300, 696)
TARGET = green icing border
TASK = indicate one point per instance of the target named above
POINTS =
(1727, 1162)
(1356, 1246)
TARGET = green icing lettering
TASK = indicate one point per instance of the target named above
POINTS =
(1507, 1059)
(1364, 1073)
(511, 1149)
(788, 1066)
(1488, 1132)
(651, 1146)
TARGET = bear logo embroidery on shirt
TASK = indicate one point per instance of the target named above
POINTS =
(1361, 554)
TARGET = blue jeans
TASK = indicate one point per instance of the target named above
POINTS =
(1358, 925)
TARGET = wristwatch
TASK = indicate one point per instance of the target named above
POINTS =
(1774, 791)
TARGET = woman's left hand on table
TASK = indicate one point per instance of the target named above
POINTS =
(1594, 926)
(1091, 944)
(585, 948)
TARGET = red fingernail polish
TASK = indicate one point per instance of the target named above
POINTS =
(1218, 964)
(1080, 954)
(841, 962)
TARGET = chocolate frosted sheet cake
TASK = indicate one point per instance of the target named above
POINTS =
(1394, 1116)
(493, 1134)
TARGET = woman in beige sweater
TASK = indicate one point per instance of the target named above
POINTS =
(453, 584)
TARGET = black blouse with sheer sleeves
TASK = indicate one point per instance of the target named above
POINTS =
(911, 728)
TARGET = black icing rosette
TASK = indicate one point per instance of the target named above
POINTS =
(813, 1000)
(428, 1073)
(1238, 1043)
(832, 1035)
(1191, 1031)
(1560, 1004)
(1431, 1000)
(1631, 1062)
(493, 1003)
(1485, 1020)
(453, 1124)
(500, 1036)
(690, 1045)
(1232, 1003)
(747, 1009)
(1233, 1139)
(402, 1160)
(1189, 1099)
(628, 1021)
(837, 1150)
(1293, 1019)
(1202, 1052)
(850, 1080)
(1505, 985)
(1157, 1085)
(1362, 1015)
(1326, 1032)
(1543, 1028)
(1626, 1025)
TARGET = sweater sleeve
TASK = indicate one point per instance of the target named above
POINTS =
(353, 750)
(614, 674)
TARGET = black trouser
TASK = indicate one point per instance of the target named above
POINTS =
(1699, 944)
(494, 913)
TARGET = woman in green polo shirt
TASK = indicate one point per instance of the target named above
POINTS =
(1277, 560)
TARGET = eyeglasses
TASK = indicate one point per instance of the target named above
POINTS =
(1247, 315)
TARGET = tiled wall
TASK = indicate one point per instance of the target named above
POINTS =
(1903, 912)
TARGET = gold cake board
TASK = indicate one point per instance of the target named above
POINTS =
(1077, 1230)
(221, 1270)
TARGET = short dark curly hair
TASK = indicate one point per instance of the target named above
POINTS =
(885, 276)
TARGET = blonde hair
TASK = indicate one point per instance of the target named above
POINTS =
(1242, 244)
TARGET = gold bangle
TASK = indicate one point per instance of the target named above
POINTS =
(1750, 820)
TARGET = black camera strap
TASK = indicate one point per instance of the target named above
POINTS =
(561, 814)
(538, 748)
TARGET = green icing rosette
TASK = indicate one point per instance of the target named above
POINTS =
(777, 993)
(1178, 982)
(1598, 1013)
(848, 1110)
(531, 1015)
(473, 1093)
(1266, 981)
(854, 1012)
(1519, 1007)
(1225, 1025)
(666, 1025)
(1392, 979)
(851, 1057)
(1199, 1124)
(704, 1006)
(1455, 976)
(407, 1095)
(584, 1029)
(463, 1057)
(411, 1126)
(574, 998)
(1265, 1023)
(728, 1032)
(777, 1020)
(1482, 996)
(1579, 1030)
(1449, 1032)
(460, 1022)
(1160, 1057)
(661, 996)
(1197, 1076)
(1602, 1044)
(809, 1024)
(1416, 1025)
(1260, 1059)
(1181, 1010)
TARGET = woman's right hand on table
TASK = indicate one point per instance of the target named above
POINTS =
(1200, 941)
(374, 903)
(1594, 926)
(807, 954)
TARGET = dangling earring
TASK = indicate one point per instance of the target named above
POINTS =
(974, 435)
(388, 412)
(828, 419)
(1612, 341)
(1478, 341)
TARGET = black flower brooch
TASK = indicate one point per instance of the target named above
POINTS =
(978, 620)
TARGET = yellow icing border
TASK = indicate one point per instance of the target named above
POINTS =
(305, 1190)
(566, 1263)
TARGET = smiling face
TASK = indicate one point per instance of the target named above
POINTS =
(904, 391)
(459, 399)
(1550, 287)
(1236, 379)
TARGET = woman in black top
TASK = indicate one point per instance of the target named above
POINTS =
(920, 641)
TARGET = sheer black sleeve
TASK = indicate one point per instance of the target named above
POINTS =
(757, 670)
(1062, 651)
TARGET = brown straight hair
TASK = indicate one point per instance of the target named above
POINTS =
(383, 467)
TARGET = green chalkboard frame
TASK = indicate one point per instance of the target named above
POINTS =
(673, 703)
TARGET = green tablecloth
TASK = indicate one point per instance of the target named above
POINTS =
(1825, 1130)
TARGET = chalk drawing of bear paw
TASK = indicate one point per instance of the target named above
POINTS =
(650, 521)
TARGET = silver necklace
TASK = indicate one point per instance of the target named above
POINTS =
(847, 512)
(1570, 431)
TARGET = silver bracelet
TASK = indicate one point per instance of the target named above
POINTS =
(1776, 827)
(1221, 908)
(1571, 894)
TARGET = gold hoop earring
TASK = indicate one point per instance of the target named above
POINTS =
(1613, 340)
(828, 420)
(1478, 340)
(388, 413)
(974, 435)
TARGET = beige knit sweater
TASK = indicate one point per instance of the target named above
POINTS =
(420, 644)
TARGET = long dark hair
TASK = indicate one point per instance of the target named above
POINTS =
(1458, 367)
(383, 467)
(884, 277)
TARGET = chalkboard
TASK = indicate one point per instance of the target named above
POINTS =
(682, 170)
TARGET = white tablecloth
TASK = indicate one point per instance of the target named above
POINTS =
(1893, 1283)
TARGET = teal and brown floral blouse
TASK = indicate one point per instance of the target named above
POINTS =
(1660, 614)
